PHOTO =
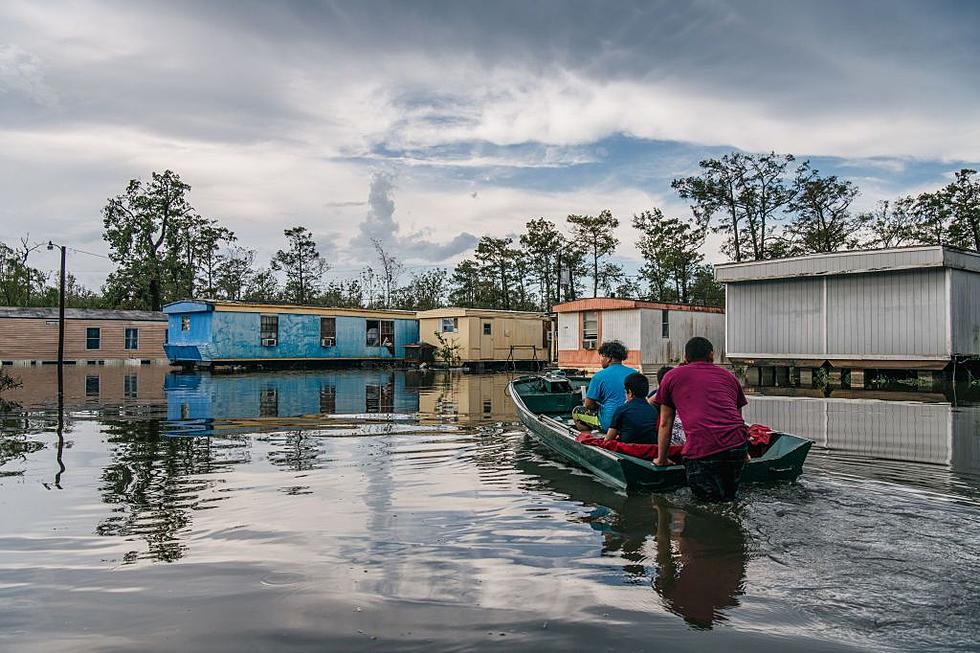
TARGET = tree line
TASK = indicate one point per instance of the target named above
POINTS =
(763, 205)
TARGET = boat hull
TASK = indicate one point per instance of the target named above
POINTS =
(783, 461)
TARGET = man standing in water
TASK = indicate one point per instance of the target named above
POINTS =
(709, 399)
(606, 391)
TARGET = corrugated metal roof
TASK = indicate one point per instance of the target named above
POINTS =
(45, 313)
(254, 307)
(853, 262)
(614, 304)
(457, 311)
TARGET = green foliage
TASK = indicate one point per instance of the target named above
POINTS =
(740, 196)
(425, 291)
(671, 249)
(159, 244)
(343, 294)
(947, 216)
(596, 236)
(823, 221)
(302, 264)
(263, 288)
(7, 382)
(20, 284)
(448, 351)
(234, 274)
(544, 245)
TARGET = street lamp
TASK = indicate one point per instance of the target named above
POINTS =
(61, 324)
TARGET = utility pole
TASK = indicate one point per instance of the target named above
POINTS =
(61, 325)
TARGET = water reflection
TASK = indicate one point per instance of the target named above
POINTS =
(90, 387)
(153, 482)
(693, 557)
(329, 517)
(937, 433)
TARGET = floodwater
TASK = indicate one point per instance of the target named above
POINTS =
(384, 510)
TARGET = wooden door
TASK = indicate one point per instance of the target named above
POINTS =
(486, 339)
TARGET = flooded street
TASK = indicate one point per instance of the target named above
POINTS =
(390, 510)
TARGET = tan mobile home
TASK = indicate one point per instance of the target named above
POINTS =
(489, 338)
(91, 335)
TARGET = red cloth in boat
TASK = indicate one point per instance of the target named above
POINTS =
(645, 451)
(759, 434)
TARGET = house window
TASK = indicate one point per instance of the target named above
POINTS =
(93, 338)
(487, 329)
(328, 332)
(130, 386)
(132, 338)
(269, 402)
(270, 330)
(185, 322)
(381, 333)
(388, 335)
(590, 329)
(92, 385)
(373, 333)
(665, 324)
(450, 324)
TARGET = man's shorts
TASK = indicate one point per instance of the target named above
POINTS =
(589, 417)
(715, 478)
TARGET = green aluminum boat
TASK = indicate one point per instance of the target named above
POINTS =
(544, 405)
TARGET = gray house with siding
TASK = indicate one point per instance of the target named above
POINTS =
(907, 308)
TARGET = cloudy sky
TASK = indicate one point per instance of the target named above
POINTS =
(430, 123)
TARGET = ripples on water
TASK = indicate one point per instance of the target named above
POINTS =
(376, 511)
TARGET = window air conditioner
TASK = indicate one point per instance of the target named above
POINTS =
(588, 344)
(269, 342)
(328, 342)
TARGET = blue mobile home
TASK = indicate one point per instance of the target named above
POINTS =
(212, 333)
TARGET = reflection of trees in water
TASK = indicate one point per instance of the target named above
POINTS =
(17, 428)
(295, 450)
(149, 480)
(700, 552)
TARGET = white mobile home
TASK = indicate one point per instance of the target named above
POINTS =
(907, 308)
(653, 332)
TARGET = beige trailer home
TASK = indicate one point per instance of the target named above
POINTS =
(489, 339)
(30, 335)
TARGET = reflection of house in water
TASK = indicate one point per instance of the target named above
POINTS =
(897, 430)
(468, 396)
(88, 386)
(288, 394)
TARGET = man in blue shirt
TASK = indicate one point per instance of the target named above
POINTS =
(606, 391)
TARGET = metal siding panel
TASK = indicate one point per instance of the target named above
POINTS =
(568, 331)
(965, 298)
(776, 317)
(623, 326)
(891, 313)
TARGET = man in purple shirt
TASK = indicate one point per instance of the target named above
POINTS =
(709, 400)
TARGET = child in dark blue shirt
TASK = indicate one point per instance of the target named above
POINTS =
(635, 421)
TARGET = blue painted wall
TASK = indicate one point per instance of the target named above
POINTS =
(205, 396)
(228, 335)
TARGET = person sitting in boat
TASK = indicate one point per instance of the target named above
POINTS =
(606, 392)
(677, 433)
(710, 399)
(635, 421)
